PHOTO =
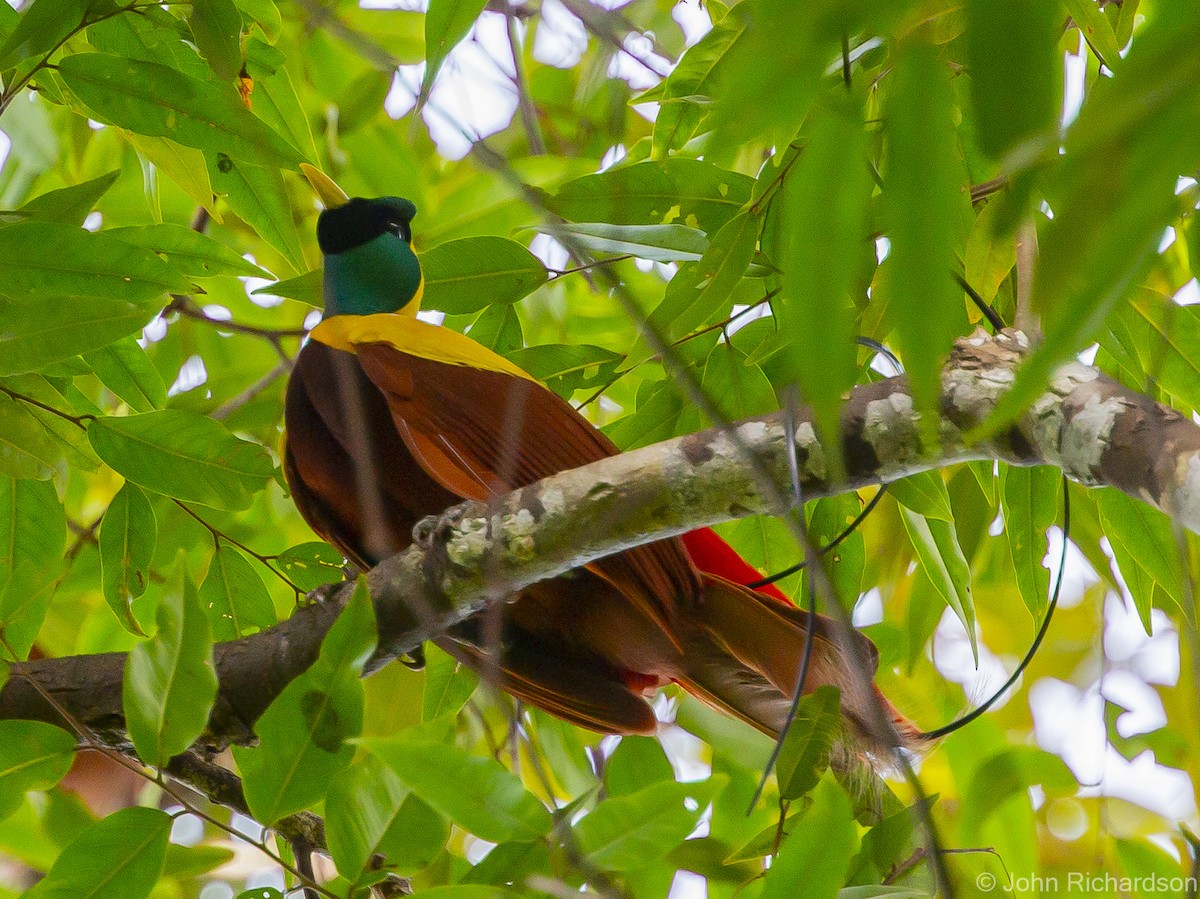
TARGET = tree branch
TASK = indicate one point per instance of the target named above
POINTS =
(1097, 431)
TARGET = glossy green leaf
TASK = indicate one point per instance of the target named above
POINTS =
(188, 251)
(170, 683)
(233, 596)
(258, 195)
(448, 684)
(44, 25)
(275, 100)
(217, 28)
(35, 334)
(1144, 547)
(470, 274)
(311, 565)
(1016, 78)
(690, 81)
(735, 386)
(370, 812)
(33, 531)
(478, 794)
(183, 455)
(812, 860)
(823, 211)
(42, 259)
(128, 535)
(159, 101)
(69, 440)
(499, 329)
(304, 735)
(121, 855)
(990, 255)
(565, 368)
(943, 562)
(192, 861)
(446, 23)
(924, 493)
(185, 166)
(637, 762)
(26, 450)
(125, 369)
(661, 243)
(306, 288)
(923, 192)
(1030, 503)
(1009, 773)
(673, 191)
(69, 205)
(805, 752)
(33, 756)
(1097, 30)
(627, 832)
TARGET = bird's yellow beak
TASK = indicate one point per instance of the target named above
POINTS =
(326, 188)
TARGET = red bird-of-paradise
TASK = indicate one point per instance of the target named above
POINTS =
(390, 419)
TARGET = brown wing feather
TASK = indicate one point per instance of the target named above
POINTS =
(482, 433)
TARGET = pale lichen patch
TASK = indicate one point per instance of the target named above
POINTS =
(889, 427)
(1187, 492)
(807, 442)
(1089, 434)
(468, 542)
(519, 531)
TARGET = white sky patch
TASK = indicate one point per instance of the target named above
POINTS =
(1167, 239)
(431, 316)
(1155, 659)
(953, 658)
(1144, 711)
(688, 885)
(1088, 355)
(869, 608)
(883, 246)
(639, 65)
(693, 19)
(560, 39)
(1078, 576)
(740, 321)
(1074, 72)
(686, 752)
(155, 331)
(312, 319)
(192, 374)
(217, 312)
(552, 253)
(92, 221)
(612, 156)
(5, 146)
(1189, 294)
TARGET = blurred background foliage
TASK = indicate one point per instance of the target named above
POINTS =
(762, 182)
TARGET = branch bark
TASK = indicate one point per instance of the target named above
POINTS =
(1095, 430)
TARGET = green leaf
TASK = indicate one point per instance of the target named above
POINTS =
(188, 251)
(33, 756)
(735, 386)
(1096, 29)
(306, 288)
(183, 165)
(47, 258)
(275, 100)
(1144, 547)
(37, 333)
(478, 794)
(234, 597)
(943, 562)
(304, 735)
(498, 328)
(183, 455)
(128, 534)
(636, 763)
(684, 191)
(258, 196)
(925, 188)
(1030, 503)
(448, 684)
(26, 450)
(662, 243)
(470, 274)
(991, 255)
(125, 369)
(813, 859)
(565, 368)
(311, 565)
(680, 114)
(924, 493)
(822, 223)
(170, 682)
(805, 751)
(33, 531)
(43, 26)
(627, 832)
(217, 28)
(446, 23)
(122, 855)
(369, 812)
(159, 101)
(69, 205)
(1016, 71)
